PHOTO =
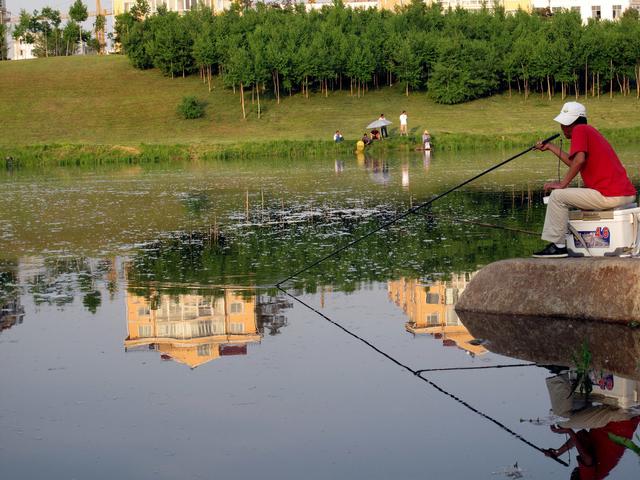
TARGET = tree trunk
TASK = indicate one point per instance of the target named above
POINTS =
(406, 91)
(258, 93)
(619, 84)
(244, 114)
(586, 80)
(549, 87)
(209, 76)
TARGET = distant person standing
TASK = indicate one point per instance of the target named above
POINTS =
(337, 137)
(383, 128)
(403, 123)
(426, 140)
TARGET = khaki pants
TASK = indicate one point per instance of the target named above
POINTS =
(557, 217)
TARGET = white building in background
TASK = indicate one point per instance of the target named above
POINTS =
(598, 9)
(19, 50)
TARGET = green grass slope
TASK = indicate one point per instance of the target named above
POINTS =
(104, 100)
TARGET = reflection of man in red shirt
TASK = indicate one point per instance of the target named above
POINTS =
(605, 179)
(597, 453)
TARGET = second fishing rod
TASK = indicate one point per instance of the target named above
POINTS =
(413, 210)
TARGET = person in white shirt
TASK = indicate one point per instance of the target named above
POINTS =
(403, 123)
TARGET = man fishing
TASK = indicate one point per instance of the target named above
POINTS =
(606, 184)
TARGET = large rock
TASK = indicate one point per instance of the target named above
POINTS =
(606, 289)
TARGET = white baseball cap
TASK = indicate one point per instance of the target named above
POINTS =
(570, 112)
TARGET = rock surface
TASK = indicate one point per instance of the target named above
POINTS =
(614, 347)
(605, 289)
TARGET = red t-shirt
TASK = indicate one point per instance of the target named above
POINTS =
(602, 171)
(606, 453)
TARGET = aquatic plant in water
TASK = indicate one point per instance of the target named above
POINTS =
(626, 442)
(582, 360)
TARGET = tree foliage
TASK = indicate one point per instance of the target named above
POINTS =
(456, 55)
(43, 29)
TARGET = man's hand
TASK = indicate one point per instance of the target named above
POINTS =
(543, 147)
(553, 186)
(557, 429)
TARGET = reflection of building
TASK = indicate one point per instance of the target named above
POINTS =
(193, 329)
(11, 313)
(430, 308)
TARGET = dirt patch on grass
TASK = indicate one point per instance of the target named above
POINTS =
(123, 148)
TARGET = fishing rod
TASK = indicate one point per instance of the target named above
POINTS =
(412, 210)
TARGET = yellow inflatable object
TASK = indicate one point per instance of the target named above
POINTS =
(360, 146)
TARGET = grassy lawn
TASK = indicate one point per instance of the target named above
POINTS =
(104, 100)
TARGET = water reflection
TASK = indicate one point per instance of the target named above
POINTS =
(194, 329)
(426, 160)
(430, 308)
(378, 170)
(11, 313)
(601, 357)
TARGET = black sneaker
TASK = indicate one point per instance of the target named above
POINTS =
(551, 251)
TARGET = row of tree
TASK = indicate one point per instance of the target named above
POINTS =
(45, 31)
(456, 55)
(3, 41)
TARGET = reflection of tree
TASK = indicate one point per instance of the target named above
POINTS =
(197, 203)
(59, 279)
(269, 313)
(8, 280)
(11, 313)
(266, 253)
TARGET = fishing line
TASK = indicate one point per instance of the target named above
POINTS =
(455, 369)
(482, 224)
(417, 374)
(411, 211)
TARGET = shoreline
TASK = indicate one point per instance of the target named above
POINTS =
(61, 154)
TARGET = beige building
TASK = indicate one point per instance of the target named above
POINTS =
(510, 6)
(430, 308)
(192, 329)
(121, 6)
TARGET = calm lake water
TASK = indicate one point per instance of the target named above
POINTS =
(142, 335)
